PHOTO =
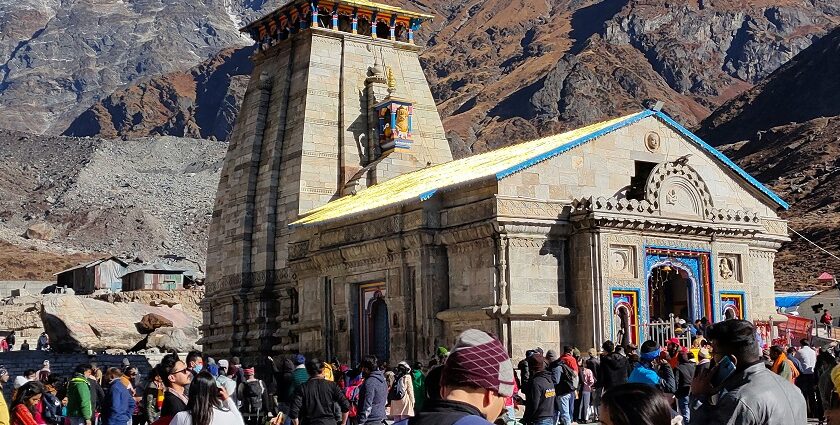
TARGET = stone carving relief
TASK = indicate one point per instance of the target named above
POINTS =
(677, 188)
(622, 261)
(729, 267)
(652, 141)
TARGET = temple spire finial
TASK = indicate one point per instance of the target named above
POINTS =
(392, 81)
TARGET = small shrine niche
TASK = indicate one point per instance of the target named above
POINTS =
(395, 124)
(395, 119)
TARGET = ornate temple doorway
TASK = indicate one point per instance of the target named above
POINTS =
(374, 333)
(669, 292)
(679, 283)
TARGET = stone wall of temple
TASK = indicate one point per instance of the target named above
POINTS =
(303, 131)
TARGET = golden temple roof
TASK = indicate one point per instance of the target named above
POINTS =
(422, 184)
(500, 163)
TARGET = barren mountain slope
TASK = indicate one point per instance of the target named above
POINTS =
(149, 198)
(505, 71)
(801, 161)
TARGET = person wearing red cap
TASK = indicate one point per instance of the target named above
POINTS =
(476, 379)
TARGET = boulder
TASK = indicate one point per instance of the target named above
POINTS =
(152, 321)
(76, 323)
(41, 230)
(173, 340)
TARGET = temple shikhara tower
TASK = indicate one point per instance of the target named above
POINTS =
(343, 227)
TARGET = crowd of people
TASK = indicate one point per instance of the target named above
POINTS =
(723, 378)
(8, 343)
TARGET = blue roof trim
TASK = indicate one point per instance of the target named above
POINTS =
(426, 195)
(728, 162)
(573, 144)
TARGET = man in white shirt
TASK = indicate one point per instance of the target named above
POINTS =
(807, 381)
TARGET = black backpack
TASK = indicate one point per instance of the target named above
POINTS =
(397, 391)
(253, 395)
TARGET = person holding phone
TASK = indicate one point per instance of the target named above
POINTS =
(739, 389)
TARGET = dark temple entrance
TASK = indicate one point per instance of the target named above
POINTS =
(372, 334)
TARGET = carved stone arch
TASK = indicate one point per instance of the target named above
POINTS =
(677, 189)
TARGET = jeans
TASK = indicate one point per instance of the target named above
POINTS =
(585, 398)
(565, 413)
(77, 421)
(572, 398)
(544, 421)
(684, 408)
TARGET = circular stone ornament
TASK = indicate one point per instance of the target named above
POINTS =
(652, 141)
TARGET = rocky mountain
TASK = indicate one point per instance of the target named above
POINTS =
(149, 198)
(58, 57)
(505, 71)
(786, 131)
(201, 102)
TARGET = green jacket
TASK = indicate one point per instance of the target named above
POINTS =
(419, 382)
(78, 398)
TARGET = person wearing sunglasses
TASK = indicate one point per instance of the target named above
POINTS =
(176, 376)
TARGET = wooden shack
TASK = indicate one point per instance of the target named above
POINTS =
(85, 278)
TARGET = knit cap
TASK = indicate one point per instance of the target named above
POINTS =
(479, 359)
(536, 363)
(551, 355)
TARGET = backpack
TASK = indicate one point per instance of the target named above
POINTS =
(252, 395)
(566, 381)
(352, 394)
(52, 408)
(397, 391)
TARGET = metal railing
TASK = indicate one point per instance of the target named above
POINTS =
(662, 332)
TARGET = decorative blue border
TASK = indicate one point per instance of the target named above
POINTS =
(722, 158)
(743, 295)
(633, 119)
(714, 296)
(639, 310)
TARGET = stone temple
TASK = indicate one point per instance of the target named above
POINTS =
(343, 227)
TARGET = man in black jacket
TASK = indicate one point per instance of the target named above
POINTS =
(613, 368)
(314, 401)
(476, 379)
(540, 406)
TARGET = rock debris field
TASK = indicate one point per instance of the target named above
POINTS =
(149, 198)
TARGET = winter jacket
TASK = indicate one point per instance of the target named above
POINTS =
(373, 396)
(79, 398)
(524, 374)
(445, 412)
(314, 402)
(418, 380)
(539, 397)
(4, 409)
(661, 377)
(299, 376)
(612, 371)
(752, 396)
(684, 374)
(405, 405)
(119, 404)
(172, 404)
(22, 416)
